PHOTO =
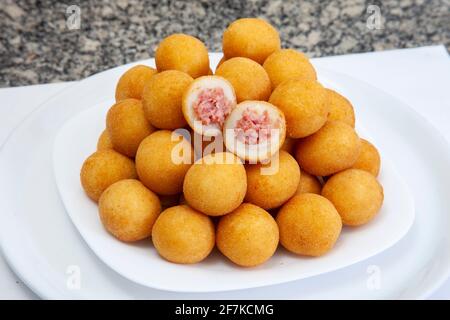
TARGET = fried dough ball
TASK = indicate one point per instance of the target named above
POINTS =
(340, 108)
(288, 64)
(128, 210)
(309, 225)
(131, 83)
(304, 103)
(183, 235)
(289, 145)
(216, 184)
(356, 194)
(254, 130)
(369, 158)
(162, 99)
(161, 163)
(102, 168)
(252, 38)
(207, 102)
(248, 236)
(127, 126)
(249, 79)
(333, 148)
(104, 141)
(308, 184)
(274, 187)
(184, 53)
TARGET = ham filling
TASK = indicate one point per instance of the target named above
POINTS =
(212, 107)
(254, 127)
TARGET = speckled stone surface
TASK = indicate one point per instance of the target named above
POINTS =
(36, 45)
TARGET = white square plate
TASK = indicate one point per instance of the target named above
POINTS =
(140, 262)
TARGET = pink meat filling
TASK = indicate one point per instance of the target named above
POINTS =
(253, 127)
(212, 107)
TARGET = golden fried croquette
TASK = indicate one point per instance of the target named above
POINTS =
(162, 99)
(184, 53)
(252, 38)
(289, 145)
(183, 235)
(270, 190)
(207, 102)
(249, 79)
(356, 194)
(309, 225)
(131, 83)
(333, 148)
(340, 108)
(127, 126)
(128, 210)
(102, 168)
(104, 141)
(216, 184)
(254, 130)
(248, 236)
(369, 158)
(161, 163)
(308, 184)
(304, 103)
(288, 64)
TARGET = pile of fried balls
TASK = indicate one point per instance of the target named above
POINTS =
(262, 104)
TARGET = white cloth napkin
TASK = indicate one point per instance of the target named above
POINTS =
(420, 77)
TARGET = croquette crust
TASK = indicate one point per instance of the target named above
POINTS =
(128, 210)
(309, 225)
(131, 83)
(183, 235)
(252, 38)
(102, 168)
(184, 53)
(272, 190)
(368, 159)
(154, 164)
(249, 79)
(308, 184)
(304, 103)
(288, 64)
(162, 99)
(356, 194)
(335, 147)
(248, 236)
(127, 126)
(214, 187)
(340, 108)
(104, 141)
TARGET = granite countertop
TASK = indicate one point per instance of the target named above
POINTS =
(41, 43)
